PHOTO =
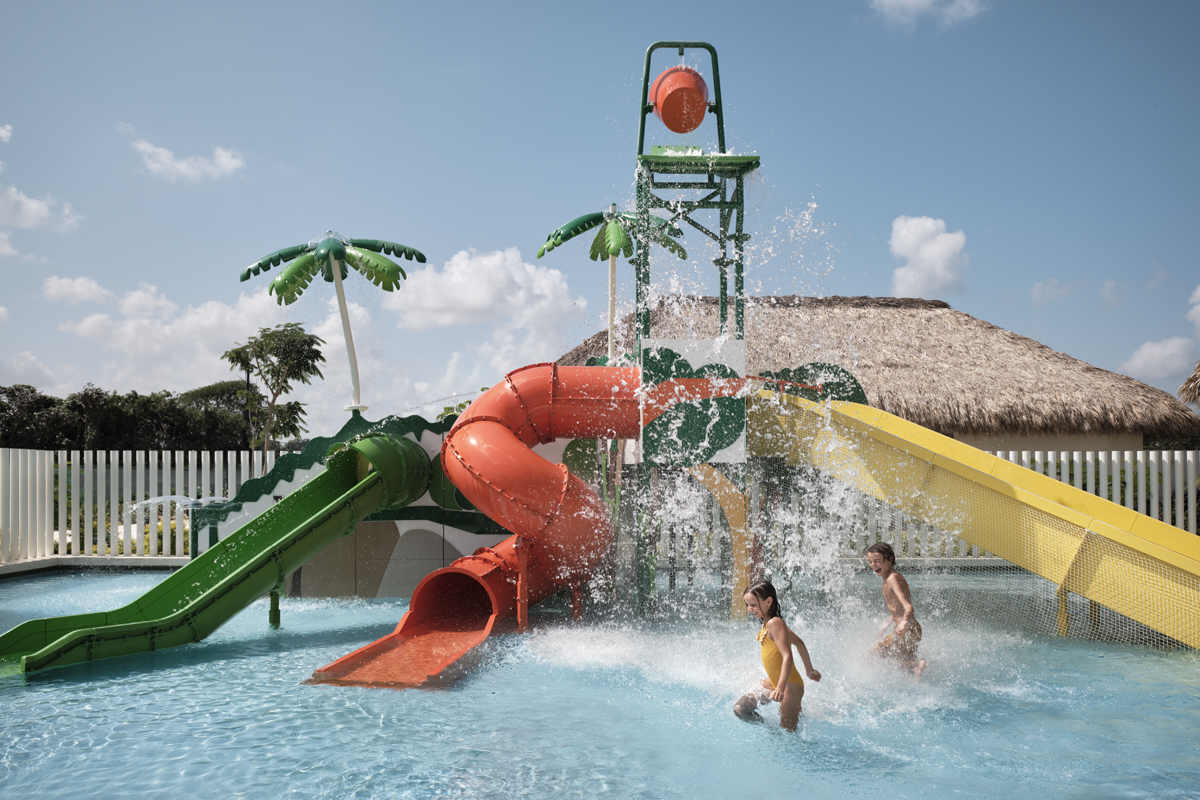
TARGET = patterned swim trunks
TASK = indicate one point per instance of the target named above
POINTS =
(902, 645)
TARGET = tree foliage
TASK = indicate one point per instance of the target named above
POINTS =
(276, 357)
(93, 419)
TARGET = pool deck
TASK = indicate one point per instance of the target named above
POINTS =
(33, 565)
(29, 565)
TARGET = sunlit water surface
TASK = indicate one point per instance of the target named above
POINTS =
(629, 710)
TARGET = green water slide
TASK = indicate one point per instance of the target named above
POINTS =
(370, 475)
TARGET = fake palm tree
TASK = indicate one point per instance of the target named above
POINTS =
(615, 236)
(328, 256)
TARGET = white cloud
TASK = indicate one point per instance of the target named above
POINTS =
(20, 211)
(1169, 358)
(934, 258)
(1193, 315)
(162, 163)
(6, 248)
(25, 368)
(1158, 277)
(1113, 293)
(1052, 289)
(908, 13)
(3, 315)
(529, 306)
(74, 290)
(168, 347)
(518, 314)
(5, 133)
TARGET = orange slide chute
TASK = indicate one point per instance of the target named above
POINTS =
(558, 521)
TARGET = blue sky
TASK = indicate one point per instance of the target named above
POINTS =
(1034, 164)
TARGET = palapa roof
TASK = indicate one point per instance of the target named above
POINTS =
(1190, 391)
(925, 362)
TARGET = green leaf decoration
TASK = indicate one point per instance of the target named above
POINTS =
(837, 383)
(291, 282)
(389, 248)
(274, 260)
(672, 245)
(569, 231)
(660, 230)
(327, 273)
(618, 240)
(599, 248)
(580, 458)
(614, 236)
(662, 225)
(379, 270)
(690, 433)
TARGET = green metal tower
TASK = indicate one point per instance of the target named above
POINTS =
(701, 181)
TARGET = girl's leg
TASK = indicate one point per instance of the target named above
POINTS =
(789, 709)
(746, 707)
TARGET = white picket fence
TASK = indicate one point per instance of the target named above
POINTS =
(115, 502)
(1158, 483)
(123, 503)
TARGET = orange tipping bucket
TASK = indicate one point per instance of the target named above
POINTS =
(680, 98)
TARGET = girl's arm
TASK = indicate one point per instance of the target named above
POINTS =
(782, 636)
(804, 659)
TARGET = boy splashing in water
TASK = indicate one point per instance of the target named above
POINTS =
(901, 643)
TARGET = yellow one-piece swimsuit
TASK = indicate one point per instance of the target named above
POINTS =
(773, 660)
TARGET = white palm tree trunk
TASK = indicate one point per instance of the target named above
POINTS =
(612, 306)
(336, 268)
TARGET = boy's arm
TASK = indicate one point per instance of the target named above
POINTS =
(798, 643)
(900, 590)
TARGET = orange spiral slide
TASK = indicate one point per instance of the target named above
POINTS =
(562, 529)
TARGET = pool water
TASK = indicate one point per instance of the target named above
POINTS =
(602, 709)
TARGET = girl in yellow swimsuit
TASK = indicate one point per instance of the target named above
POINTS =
(777, 641)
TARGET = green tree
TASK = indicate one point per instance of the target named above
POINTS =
(28, 418)
(225, 406)
(277, 357)
(328, 257)
(208, 418)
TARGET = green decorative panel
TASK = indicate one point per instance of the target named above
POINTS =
(837, 383)
(692, 410)
(580, 458)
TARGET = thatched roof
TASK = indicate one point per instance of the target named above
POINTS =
(927, 363)
(1190, 391)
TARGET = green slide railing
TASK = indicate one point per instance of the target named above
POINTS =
(372, 474)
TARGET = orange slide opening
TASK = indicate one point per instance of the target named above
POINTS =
(561, 522)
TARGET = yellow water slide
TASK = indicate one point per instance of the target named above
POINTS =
(1143, 569)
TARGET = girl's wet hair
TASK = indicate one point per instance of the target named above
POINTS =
(762, 590)
(884, 549)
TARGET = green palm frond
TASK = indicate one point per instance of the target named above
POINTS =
(569, 231)
(293, 279)
(661, 225)
(672, 245)
(275, 259)
(619, 242)
(615, 236)
(611, 240)
(378, 269)
(389, 248)
(661, 232)
(327, 273)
